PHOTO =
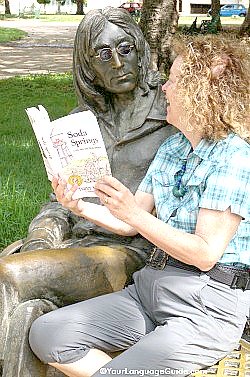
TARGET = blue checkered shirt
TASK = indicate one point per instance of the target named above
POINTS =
(217, 176)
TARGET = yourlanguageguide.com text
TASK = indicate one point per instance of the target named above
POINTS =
(145, 372)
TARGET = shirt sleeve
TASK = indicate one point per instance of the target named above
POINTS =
(229, 186)
(146, 184)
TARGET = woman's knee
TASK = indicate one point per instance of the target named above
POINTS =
(56, 337)
(42, 339)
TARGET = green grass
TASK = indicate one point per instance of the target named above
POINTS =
(61, 17)
(23, 181)
(9, 34)
(46, 17)
(229, 21)
(183, 20)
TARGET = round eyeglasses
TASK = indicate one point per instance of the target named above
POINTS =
(106, 54)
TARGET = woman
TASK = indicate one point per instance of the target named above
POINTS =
(187, 308)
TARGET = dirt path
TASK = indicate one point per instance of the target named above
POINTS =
(46, 49)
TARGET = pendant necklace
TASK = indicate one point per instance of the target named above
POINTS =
(179, 190)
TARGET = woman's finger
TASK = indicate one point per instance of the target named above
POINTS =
(112, 182)
(61, 189)
(111, 187)
(105, 189)
(69, 192)
(104, 198)
(54, 183)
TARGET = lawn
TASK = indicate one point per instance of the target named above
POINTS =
(225, 21)
(183, 20)
(46, 17)
(23, 182)
(10, 34)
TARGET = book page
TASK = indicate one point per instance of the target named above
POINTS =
(81, 151)
(40, 122)
(74, 150)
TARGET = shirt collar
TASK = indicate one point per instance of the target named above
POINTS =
(181, 146)
(204, 148)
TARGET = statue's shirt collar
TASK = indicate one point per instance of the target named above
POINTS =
(149, 106)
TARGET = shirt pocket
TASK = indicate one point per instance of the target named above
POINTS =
(162, 179)
(162, 188)
(196, 186)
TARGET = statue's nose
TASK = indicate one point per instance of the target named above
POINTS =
(116, 59)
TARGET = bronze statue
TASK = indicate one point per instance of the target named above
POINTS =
(112, 79)
(127, 100)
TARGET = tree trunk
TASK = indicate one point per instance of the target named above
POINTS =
(245, 27)
(216, 11)
(59, 7)
(159, 22)
(79, 4)
(7, 7)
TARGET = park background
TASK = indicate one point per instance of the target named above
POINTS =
(22, 7)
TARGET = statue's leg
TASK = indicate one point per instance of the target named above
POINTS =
(62, 276)
(19, 360)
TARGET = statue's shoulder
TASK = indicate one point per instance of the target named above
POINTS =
(158, 108)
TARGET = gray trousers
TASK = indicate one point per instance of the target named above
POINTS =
(169, 322)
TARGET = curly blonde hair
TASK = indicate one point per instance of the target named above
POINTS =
(214, 85)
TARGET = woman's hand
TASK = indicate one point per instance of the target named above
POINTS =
(117, 198)
(64, 196)
(99, 214)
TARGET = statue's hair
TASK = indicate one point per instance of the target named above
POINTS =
(214, 84)
(90, 27)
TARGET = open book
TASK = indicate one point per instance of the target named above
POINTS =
(72, 147)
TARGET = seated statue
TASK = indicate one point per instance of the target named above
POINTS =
(65, 259)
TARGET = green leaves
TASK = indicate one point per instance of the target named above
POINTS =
(43, 1)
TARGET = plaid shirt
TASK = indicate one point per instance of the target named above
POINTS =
(217, 176)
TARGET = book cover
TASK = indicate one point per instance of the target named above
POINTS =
(72, 147)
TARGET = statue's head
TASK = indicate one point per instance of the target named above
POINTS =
(111, 56)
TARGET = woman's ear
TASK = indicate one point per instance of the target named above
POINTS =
(218, 67)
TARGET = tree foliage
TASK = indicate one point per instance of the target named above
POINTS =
(43, 1)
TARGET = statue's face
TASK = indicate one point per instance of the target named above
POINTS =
(115, 61)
